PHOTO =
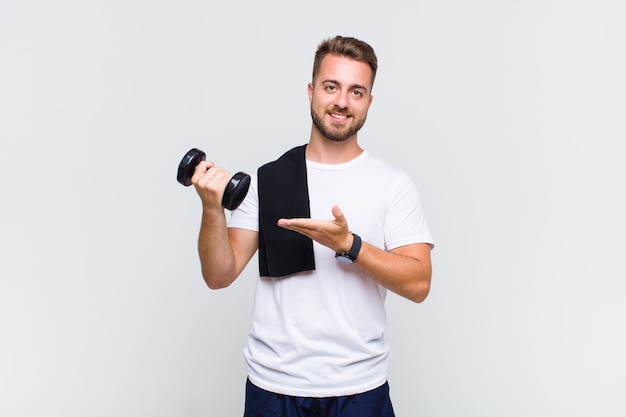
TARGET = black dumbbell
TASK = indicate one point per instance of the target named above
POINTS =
(236, 189)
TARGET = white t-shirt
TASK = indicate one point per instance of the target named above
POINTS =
(321, 333)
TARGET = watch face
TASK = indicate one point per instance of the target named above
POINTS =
(344, 259)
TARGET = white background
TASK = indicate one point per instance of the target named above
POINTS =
(509, 115)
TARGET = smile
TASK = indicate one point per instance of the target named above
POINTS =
(338, 116)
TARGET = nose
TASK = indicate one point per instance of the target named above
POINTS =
(341, 99)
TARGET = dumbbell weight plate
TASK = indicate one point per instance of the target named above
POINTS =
(188, 165)
(236, 190)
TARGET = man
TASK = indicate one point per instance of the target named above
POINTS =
(316, 347)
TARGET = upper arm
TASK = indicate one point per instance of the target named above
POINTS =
(244, 244)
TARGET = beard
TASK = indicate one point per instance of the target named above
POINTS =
(335, 132)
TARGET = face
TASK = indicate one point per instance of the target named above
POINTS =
(340, 97)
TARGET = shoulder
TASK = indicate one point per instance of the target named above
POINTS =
(381, 167)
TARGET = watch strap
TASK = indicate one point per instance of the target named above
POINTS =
(351, 255)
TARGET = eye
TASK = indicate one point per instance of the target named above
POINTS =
(330, 87)
(357, 93)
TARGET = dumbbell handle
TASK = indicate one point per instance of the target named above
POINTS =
(236, 189)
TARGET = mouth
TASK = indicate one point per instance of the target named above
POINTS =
(338, 117)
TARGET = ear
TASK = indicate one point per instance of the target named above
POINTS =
(310, 92)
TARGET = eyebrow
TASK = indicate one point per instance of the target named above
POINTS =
(352, 87)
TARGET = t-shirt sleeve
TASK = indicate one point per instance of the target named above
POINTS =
(405, 221)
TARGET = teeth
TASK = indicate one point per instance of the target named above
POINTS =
(338, 116)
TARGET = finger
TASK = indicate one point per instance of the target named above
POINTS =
(207, 174)
(295, 223)
(339, 217)
(203, 166)
(201, 169)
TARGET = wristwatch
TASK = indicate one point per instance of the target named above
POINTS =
(350, 256)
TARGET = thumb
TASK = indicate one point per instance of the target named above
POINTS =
(339, 217)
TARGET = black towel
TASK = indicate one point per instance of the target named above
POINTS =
(284, 193)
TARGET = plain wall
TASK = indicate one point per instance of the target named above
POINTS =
(510, 117)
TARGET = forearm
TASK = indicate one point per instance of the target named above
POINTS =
(216, 255)
(406, 270)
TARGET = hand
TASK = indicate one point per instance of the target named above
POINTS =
(333, 234)
(210, 182)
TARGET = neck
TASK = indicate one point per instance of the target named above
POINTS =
(326, 151)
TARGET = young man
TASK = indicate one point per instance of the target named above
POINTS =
(336, 227)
